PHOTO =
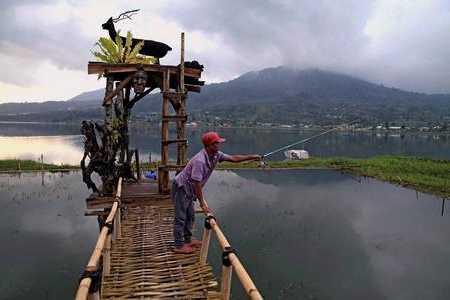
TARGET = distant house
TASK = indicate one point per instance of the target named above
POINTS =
(395, 128)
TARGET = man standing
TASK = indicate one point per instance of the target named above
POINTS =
(188, 184)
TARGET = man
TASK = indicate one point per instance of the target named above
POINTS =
(188, 184)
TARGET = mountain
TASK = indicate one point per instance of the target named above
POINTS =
(88, 96)
(273, 95)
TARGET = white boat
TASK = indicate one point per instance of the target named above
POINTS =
(296, 154)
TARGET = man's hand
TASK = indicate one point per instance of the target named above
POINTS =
(205, 207)
(259, 157)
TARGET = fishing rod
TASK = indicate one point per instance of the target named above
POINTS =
(304, 140)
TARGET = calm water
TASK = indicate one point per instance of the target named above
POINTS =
(301, 235)
(45, 238)
(63, 144)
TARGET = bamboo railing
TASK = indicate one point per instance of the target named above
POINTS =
(110, 230)
(229, 261)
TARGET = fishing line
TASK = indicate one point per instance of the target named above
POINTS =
(304, 140)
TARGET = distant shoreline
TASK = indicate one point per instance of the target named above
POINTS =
(144, 125)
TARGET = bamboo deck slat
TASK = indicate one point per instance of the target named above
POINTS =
(143, 265)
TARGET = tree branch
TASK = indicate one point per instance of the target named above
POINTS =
(139, 97)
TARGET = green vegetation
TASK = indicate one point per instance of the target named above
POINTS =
(115, 52)
(425, 175)
(14, 165)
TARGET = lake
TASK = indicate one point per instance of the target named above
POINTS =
(63, 144)
(301, 234)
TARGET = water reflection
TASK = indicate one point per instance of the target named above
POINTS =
(321, 235)
(46, 239)
(301, 235)
(56, 149)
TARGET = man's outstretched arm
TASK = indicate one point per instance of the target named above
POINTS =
(240, 158)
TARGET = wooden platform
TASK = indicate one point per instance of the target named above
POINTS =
(143, 265)
(133, 194)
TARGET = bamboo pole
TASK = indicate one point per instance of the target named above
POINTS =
(244, 278)
(182, 148)
(138, 167)
(225, 288)
(83, 289)
(119, 189)
(182, 64)
(205, 245)
(118, 228)
(107, 256)
(97, 253)
(118, 218)
(163, 180)
(103, 239)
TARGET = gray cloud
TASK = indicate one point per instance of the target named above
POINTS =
(326, 34)
(411, 52)
(303, 33)
(27, 44)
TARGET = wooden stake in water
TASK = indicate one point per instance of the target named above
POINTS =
(42, 161)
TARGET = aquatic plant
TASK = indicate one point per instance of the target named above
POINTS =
(115, 52)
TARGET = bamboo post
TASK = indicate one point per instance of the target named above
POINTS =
(182, 64)
(205, 242)
(118, 217)
(97, 253)
(163, 176)
(107, 256)
(244, 278)
(114, 232)
(118, 227)
(225, 288)
(182, 148)
(42, 161)
(138, 167)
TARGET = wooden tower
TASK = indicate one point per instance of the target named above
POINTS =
(174, 82)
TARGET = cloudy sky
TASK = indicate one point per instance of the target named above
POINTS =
(45, 45)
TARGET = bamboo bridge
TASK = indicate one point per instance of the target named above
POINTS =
(133, 257)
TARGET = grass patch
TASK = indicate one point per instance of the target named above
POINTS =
(423, 174)
(15, 165)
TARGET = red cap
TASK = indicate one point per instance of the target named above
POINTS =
(211, 137)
